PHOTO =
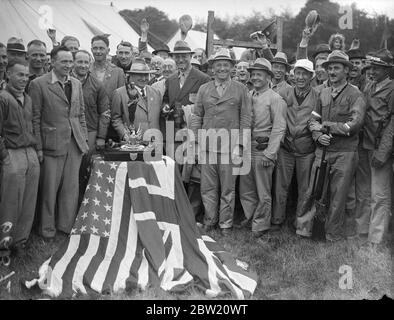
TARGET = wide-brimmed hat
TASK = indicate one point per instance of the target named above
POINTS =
(382, 57)
(355, 54)
(139, 66)
(261, 64)
(321, 48)
(221, 54)
(338, 56)
(162, 47)
(16, 47)
(306, 65)
(195, 61)
(281, 58)
(181, 46)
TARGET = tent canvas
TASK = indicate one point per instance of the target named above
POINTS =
(28, 19)
(197, 39)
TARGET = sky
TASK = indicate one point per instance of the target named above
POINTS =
(198, 9)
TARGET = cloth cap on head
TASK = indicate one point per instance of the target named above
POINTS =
(162, 47)
(338, 56)
(382, 57)
(281, 58)
(181, 46)
(321, 48)
(261, 64)
(306, 65)
(139, 66)
(221, 54)
(355, 54)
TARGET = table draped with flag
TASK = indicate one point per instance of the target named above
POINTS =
(135, 228)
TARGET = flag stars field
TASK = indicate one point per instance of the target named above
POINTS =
(95, 215)
(107, 207)
(108, 193)
(85, 201)
(97, 187)
(96, 202)
(99, 174)
(110, 179)
(107, 221)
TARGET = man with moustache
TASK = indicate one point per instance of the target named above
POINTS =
(97, 109)
(18, 162)
(60, 129)
(36, 56)
(374, 173)
(3, 66)
(156, 65)
(297, 152)
(280, 67)
(221, 104)
(268, 128)
(341, 108)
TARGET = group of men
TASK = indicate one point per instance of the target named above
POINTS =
(259, 120)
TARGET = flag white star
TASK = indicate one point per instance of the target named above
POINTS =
(107, 207)
(85, 215)
(83, 228)
(96, 202)
(113, 165)
(85, 201)
(108, 193)
(94, 229)
(106, 234)
(95, 215)
(88, 187)
(107, 221)
(110, 179)
(99, 173)
(97, 187)
(73, 230)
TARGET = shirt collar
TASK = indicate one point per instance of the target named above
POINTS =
(258, 93)
(56, 79)
(140, 90)
(223, 84)
(186, 72)
(338, 89)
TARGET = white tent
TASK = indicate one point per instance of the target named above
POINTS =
(197, 39)
(29, 19)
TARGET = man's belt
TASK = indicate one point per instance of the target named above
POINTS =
(262, 143)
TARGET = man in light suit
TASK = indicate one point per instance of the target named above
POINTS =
(222, 104)
(60, 128)
(181, 87)
(139, 106)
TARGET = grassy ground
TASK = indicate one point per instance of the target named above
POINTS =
(288, 268)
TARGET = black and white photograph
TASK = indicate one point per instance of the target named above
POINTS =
(195, 157)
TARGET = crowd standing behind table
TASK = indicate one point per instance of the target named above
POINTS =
(55, 113)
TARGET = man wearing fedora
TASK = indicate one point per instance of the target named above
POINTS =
(3, 66)
(222, 104)
(162, 51)
(181, 88)
(136, 104)
(15, 49)
(297, 151)
(374, 189)
(60, 128)
(335, 125)
(268, 128)
(280, 67)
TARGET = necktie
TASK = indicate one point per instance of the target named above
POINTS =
(182, 79)
(143, 93)
(67, 90)
(220, 90)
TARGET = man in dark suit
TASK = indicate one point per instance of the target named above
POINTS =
(60, 128)
(181, 89)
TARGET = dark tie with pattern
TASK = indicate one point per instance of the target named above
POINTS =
(68, 90)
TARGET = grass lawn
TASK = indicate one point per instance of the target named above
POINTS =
(288, 268)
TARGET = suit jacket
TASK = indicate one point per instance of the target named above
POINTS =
(114, 78)
(231, 111)
(147, 113)
(54, 118)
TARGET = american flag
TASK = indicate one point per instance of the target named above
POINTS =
(135, 228)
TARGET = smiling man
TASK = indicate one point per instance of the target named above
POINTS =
(37, 57)
(60, 129)
(280, 67)
(341, 108)
(136, 104)
(18, 158)
(357, 79)
(124, 55)
(297, 151)
(268, 128)
(222, 104)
